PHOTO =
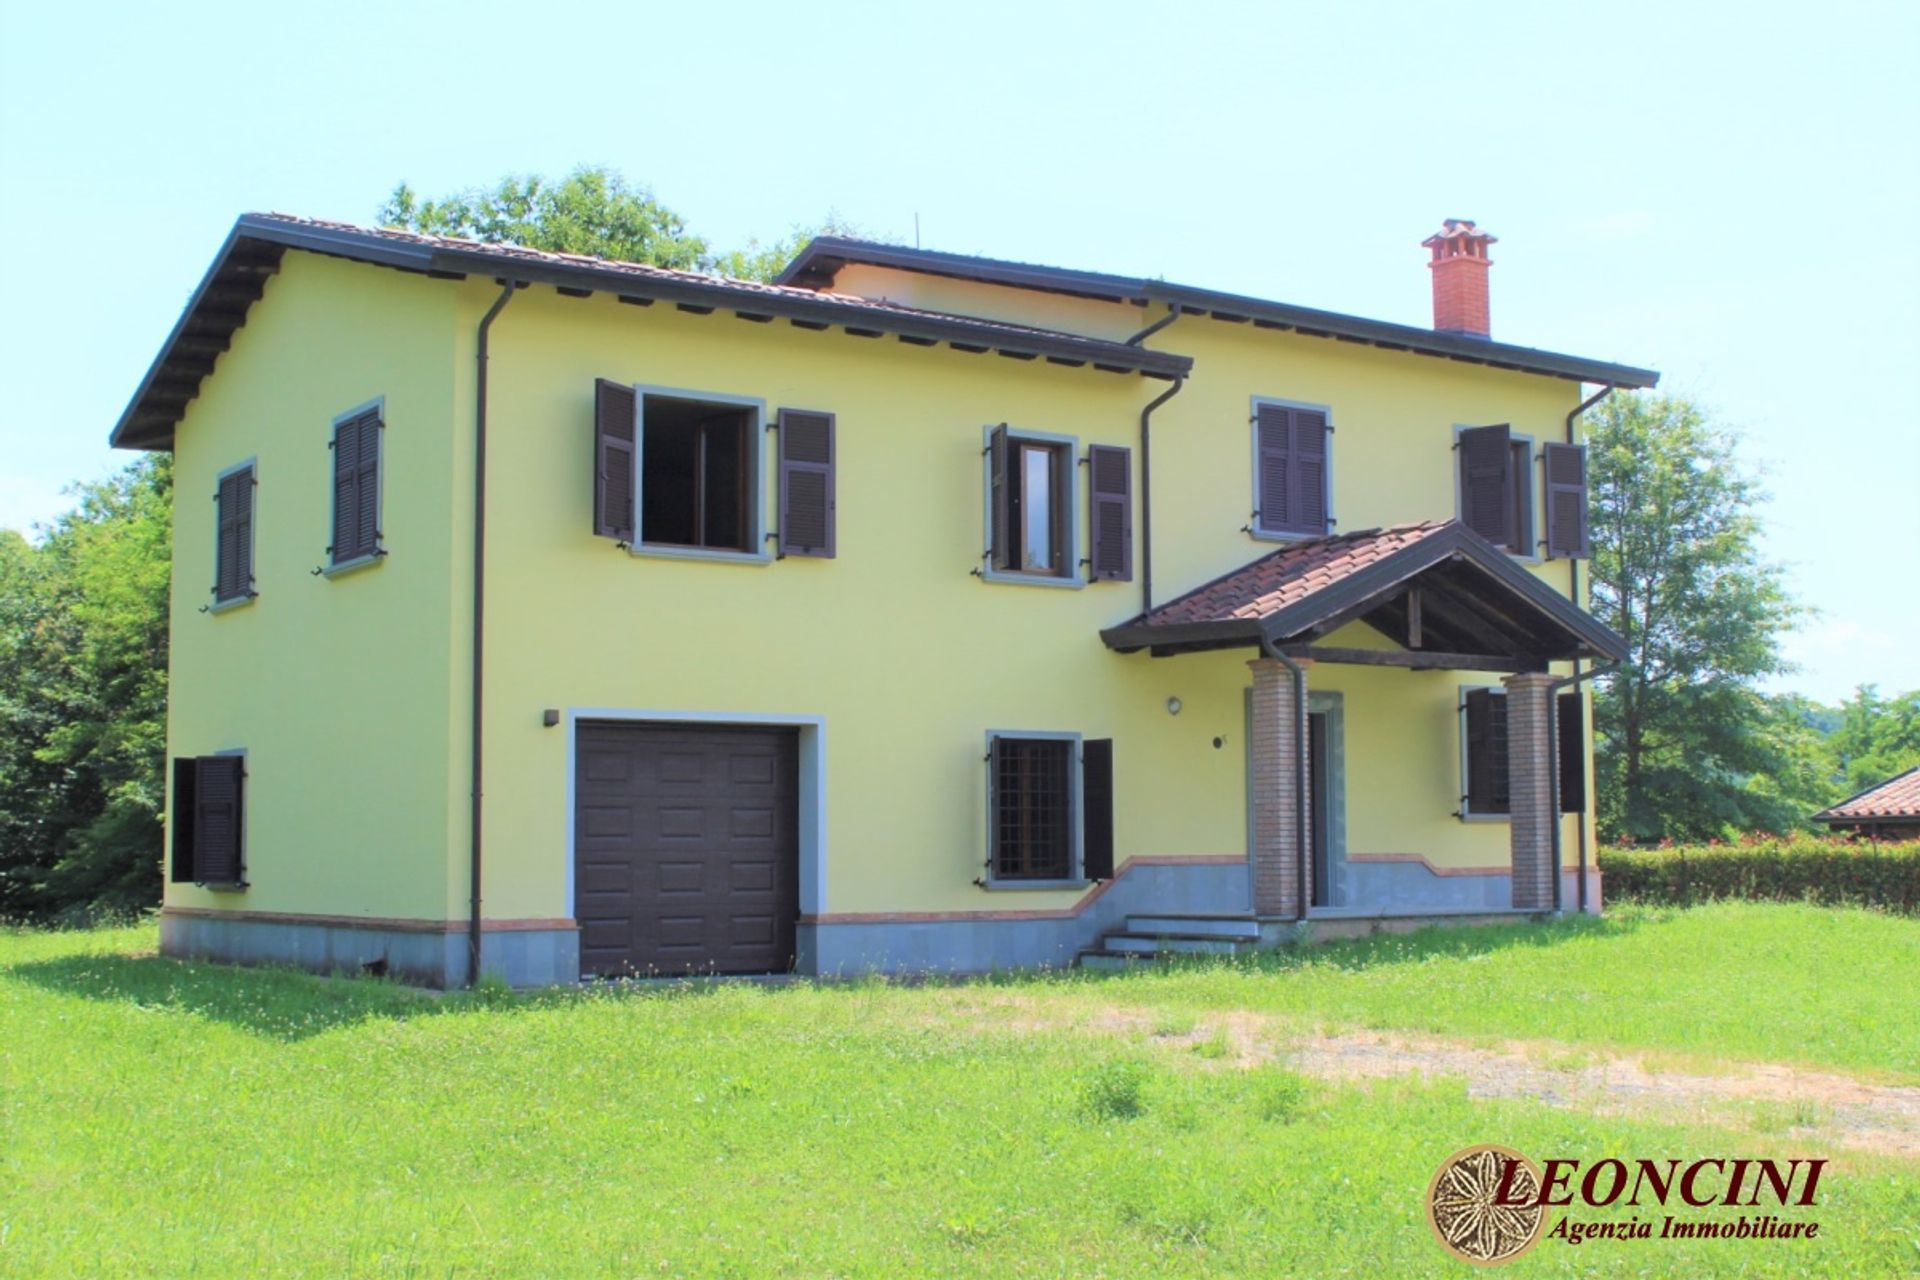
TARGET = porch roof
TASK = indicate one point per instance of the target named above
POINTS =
(1446, 596)
(1897, 798)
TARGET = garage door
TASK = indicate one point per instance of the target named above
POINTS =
(686, 849)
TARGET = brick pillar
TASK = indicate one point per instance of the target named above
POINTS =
(1277, 798)
(1530, 748)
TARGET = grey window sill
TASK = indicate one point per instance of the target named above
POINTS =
(1486, 817)
(1014, 886)
(354, 565)
(1031, 579)
(239, 887)
(700, 553)
(237, 602)
(1289, 535)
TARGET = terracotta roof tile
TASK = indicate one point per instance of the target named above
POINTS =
(1895, 798)
(1290, 575)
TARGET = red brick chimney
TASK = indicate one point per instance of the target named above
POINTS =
(1459, 268)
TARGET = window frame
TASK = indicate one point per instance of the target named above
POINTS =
(1254, 530)
(759, 551)
(1066, 514)
(1526, 495)
(336, 567)
(1076, 785)
(221, 604)
(1460, 714)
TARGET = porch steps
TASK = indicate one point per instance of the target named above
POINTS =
(1155, 937)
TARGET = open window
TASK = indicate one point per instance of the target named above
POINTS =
(1496, 486)
(1483, 740)
(208, 817)
(697, 474)
(1030, 482)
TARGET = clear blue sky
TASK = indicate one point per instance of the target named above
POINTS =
(1728, 193)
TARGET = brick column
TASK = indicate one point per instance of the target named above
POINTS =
(1530, 748)
(1277, 798)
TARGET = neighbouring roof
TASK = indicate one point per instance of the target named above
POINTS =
(1474, 600)
(257, 242)
(820, 262)
(1895, 798)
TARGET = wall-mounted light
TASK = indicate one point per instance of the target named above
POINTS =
(1173, 706)
(550, 717)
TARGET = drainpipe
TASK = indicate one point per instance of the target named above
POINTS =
(1300, 746)
(1553, 784)
(479, 615)
(1146, 462)
(1573, 595)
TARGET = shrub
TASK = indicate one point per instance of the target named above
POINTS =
(1114, 1090)
(1831, 872)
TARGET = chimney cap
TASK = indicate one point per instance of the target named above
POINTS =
(1458, 229)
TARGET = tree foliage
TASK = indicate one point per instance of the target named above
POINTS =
(1876, 737)
(83, 684)
(1688, 748)
(593, 211)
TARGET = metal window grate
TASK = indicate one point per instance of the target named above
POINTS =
(1033, 809)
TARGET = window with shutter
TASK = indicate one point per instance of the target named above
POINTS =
(1484, 753)
(209, 820)
(1032, 535)
(1109, 471)
(356, 487)
(233, 539)
(1566, 475)
(807, 498)
(1292, 476)
(1032, 814)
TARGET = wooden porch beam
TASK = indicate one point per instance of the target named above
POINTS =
(1424, 660)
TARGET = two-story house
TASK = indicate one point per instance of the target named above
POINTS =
(558, 617)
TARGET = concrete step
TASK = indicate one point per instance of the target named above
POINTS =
(1218, 926)
(1191, 943)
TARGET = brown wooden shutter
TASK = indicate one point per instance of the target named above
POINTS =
(218, 819)
(1273, 447)
(233, 554)
(180, 813)
(366, 524)
(995, 819)
(1566, 468)
(1110, 489)
(1573, 754)
(613, 460)
(1487, 486)
(807, 499)
(1486, 718)
(1096, 799)
(1001, 544)
(346, 480)
(1310, 441)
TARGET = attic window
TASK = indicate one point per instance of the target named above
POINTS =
(698, 479)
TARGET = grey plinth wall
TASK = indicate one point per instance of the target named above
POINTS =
(426, 953)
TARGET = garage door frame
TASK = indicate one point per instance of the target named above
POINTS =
(812, 734)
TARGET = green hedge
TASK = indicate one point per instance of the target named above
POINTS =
(1832, 872)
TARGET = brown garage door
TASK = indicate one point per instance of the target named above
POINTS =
(686, 849)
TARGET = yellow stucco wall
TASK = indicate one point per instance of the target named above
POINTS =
(337, 688)
(350, 694)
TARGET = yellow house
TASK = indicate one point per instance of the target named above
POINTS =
(557, 617)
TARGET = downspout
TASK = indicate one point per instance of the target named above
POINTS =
(1305, 780)
(1573, 596)
(479, 617)
(1146, 461)
(1553, 784)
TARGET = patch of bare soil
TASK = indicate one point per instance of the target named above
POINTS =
(1809, 1105)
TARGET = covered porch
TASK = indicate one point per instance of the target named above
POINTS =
(1409, 602)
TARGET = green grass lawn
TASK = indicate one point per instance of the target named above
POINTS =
(159, 1118)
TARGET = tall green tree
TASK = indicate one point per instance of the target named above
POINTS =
(83, 684)
(594, 211)
(1687, 746)
(1877, 737)
(590, 211)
